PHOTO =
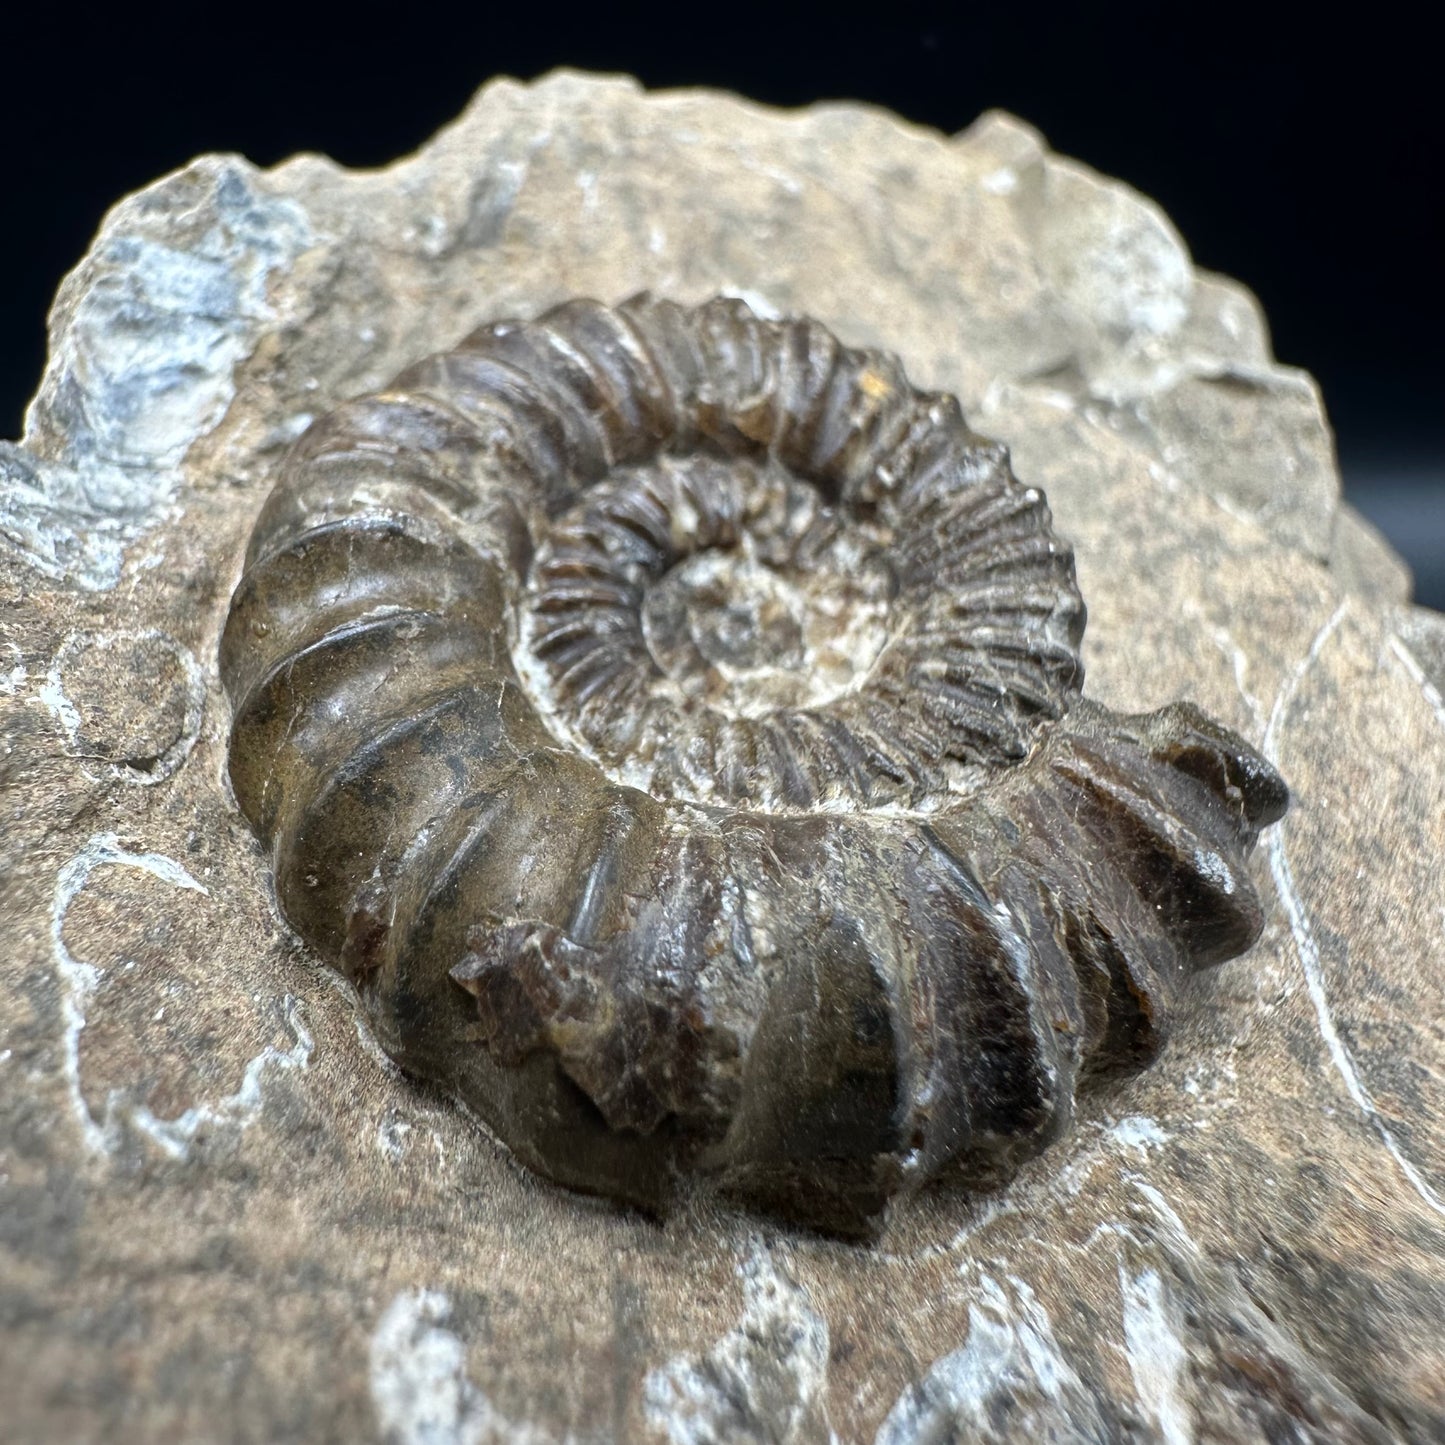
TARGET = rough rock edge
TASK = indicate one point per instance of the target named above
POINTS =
(1181, 332)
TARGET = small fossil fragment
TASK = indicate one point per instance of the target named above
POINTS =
(671, 721)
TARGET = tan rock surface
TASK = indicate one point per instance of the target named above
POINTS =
(224, 1216)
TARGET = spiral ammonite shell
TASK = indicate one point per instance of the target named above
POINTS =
(671, 721)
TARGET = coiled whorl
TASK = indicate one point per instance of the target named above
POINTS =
(671, 721)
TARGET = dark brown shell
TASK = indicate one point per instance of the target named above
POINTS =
(671, 721)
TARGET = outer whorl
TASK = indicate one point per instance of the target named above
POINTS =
(670, 720)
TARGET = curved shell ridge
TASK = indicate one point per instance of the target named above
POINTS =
(1159, 819)
(986, 995)
(303, 715)
(609, 983)
(518, 402)
(734, 403)
(346, 568)
(641, 407)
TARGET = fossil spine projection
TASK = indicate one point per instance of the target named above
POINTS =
(671, 720)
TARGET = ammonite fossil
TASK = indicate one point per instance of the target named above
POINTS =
(671, 721)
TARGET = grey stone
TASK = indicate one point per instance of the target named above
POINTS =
(223, 1215)
(1365, 562)
(145, 336)
(1421, 630)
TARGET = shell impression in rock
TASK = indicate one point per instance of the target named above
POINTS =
(671, 721)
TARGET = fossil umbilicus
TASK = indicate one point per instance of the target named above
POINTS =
(671, 721)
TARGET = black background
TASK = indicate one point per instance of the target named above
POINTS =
(1299, 153)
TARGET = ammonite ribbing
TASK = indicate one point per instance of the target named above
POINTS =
(671, 721)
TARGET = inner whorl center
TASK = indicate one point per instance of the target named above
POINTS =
(747, 635)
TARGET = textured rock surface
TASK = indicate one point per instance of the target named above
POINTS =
(222, 1214)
